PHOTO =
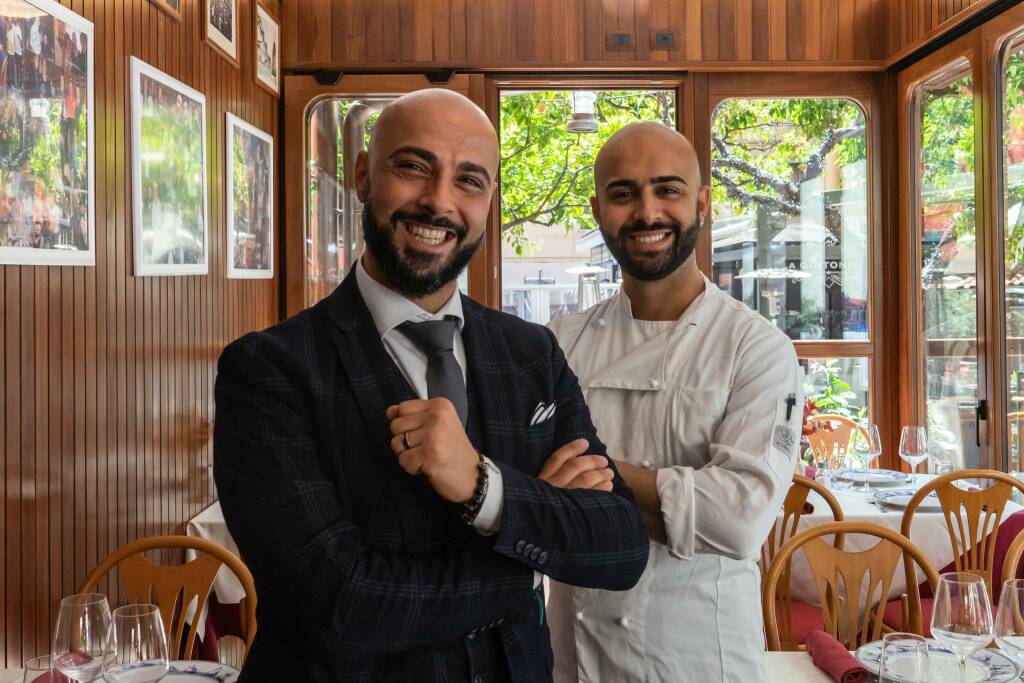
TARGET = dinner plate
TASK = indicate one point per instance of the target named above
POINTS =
(984, 666)
(193, 670)
(900, 498)
(874, 477)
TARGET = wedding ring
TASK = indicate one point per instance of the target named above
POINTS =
(405, 441)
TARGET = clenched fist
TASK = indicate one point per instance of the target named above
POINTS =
(569, 468)
(429, 439)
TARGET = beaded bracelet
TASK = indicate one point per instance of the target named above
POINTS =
(471, 507)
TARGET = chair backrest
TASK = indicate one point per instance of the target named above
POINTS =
(1011, 563)
(840, 577)
(177, 588)
(972, 516)
(784, 529)
(830, 445)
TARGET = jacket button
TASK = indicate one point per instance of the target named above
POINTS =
(646, 463)
(579, 616)
(655, 384)
(543, 557)
(623, 621)
(528, 549)
(520, 544)
(477, 679)
(535, 554)
(601, 322)
(471, 635)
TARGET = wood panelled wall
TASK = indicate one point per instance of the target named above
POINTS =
(571, 33)
(913, 23)
(108, 378)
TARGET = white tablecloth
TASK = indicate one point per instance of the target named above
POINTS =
(928, 531)
(209, 524)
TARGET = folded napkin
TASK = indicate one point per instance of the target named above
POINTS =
(833, 658)
(50, 677)
(808, 509)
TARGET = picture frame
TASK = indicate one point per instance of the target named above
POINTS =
(267, 50)
(220, 28)
(47, 136)
(171, 8)
(249, 183)
(170, 225)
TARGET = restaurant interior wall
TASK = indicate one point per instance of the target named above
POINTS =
(106, 406)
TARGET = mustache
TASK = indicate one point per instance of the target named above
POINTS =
(426, 219)
(640, 226)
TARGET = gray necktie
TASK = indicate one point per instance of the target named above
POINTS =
(436, 338)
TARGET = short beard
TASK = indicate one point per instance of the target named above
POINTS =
(410, 273)
(650, 269)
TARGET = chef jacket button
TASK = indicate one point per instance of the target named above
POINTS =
(655, 384)
(646, 463)
(520, 544)
(579, 616)
(623, 621)
(601, 322)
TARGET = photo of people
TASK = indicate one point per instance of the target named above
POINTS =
(267, 51)
(221, 23)
(250, 182)
(169, 174)
(46, 135)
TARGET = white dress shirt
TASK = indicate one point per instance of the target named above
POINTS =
(713, 403)
(389, 309)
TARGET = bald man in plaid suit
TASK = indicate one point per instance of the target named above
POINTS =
(400, 465)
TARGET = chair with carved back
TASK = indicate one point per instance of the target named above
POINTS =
(1011, 562)
(795, 619)
(851, 615)
(180, 591)
(972, 517)
(832, 438)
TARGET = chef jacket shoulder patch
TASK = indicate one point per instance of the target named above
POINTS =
(783, 439)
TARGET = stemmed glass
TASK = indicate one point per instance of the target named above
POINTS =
(40, 670)
(914, 448)
(867, 444)
(140, 655)
(82, 641)
(904, 659)
(1009, 629)
(962, 616)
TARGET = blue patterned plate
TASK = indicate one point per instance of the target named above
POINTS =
(984, 666)
(201, 671)
(900, 498)
(874, 477)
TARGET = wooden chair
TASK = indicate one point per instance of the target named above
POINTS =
(839, 576)
(831, 445)
(794, 616)
(175, 588)
(1011, 563)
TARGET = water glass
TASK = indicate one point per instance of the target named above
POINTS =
(81, 640)
(962, 616)
(140, 653)
(904, 659)
(914, 448)
(867, 444)
(1009, 629)
(39, 670)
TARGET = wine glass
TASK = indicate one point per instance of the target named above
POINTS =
(914, 448)
(962, 616)
(1009, 629)
(904, 659)
(867, 444)
(140, 652)
(81, 640)
(40, 670)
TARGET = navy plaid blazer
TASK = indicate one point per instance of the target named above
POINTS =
(365, 574)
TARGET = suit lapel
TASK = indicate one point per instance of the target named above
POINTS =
(375, 380)
(488, 361)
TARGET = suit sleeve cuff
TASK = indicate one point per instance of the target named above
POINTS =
(488, 520)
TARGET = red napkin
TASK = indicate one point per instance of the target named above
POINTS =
(808, 509)
(51, 677)
(833, 658)
(810, 472)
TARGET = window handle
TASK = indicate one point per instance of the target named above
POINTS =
(980, 414)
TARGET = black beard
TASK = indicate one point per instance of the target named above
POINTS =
(650, 269)
(415, 274)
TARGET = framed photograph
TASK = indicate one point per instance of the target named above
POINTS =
(268, 51)
(170, 232)
(171, 7)
(47, 151)
(250, 200)
(220, 27)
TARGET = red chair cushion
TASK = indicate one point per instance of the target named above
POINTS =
(806, 618)
(894, 615)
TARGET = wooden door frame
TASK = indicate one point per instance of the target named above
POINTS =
(301, 93)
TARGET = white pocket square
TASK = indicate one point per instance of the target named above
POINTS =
(543, 412)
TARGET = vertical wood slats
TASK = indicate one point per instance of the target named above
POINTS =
(108, 378)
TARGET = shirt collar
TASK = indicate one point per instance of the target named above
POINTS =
(389, 309)
(694, 313)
